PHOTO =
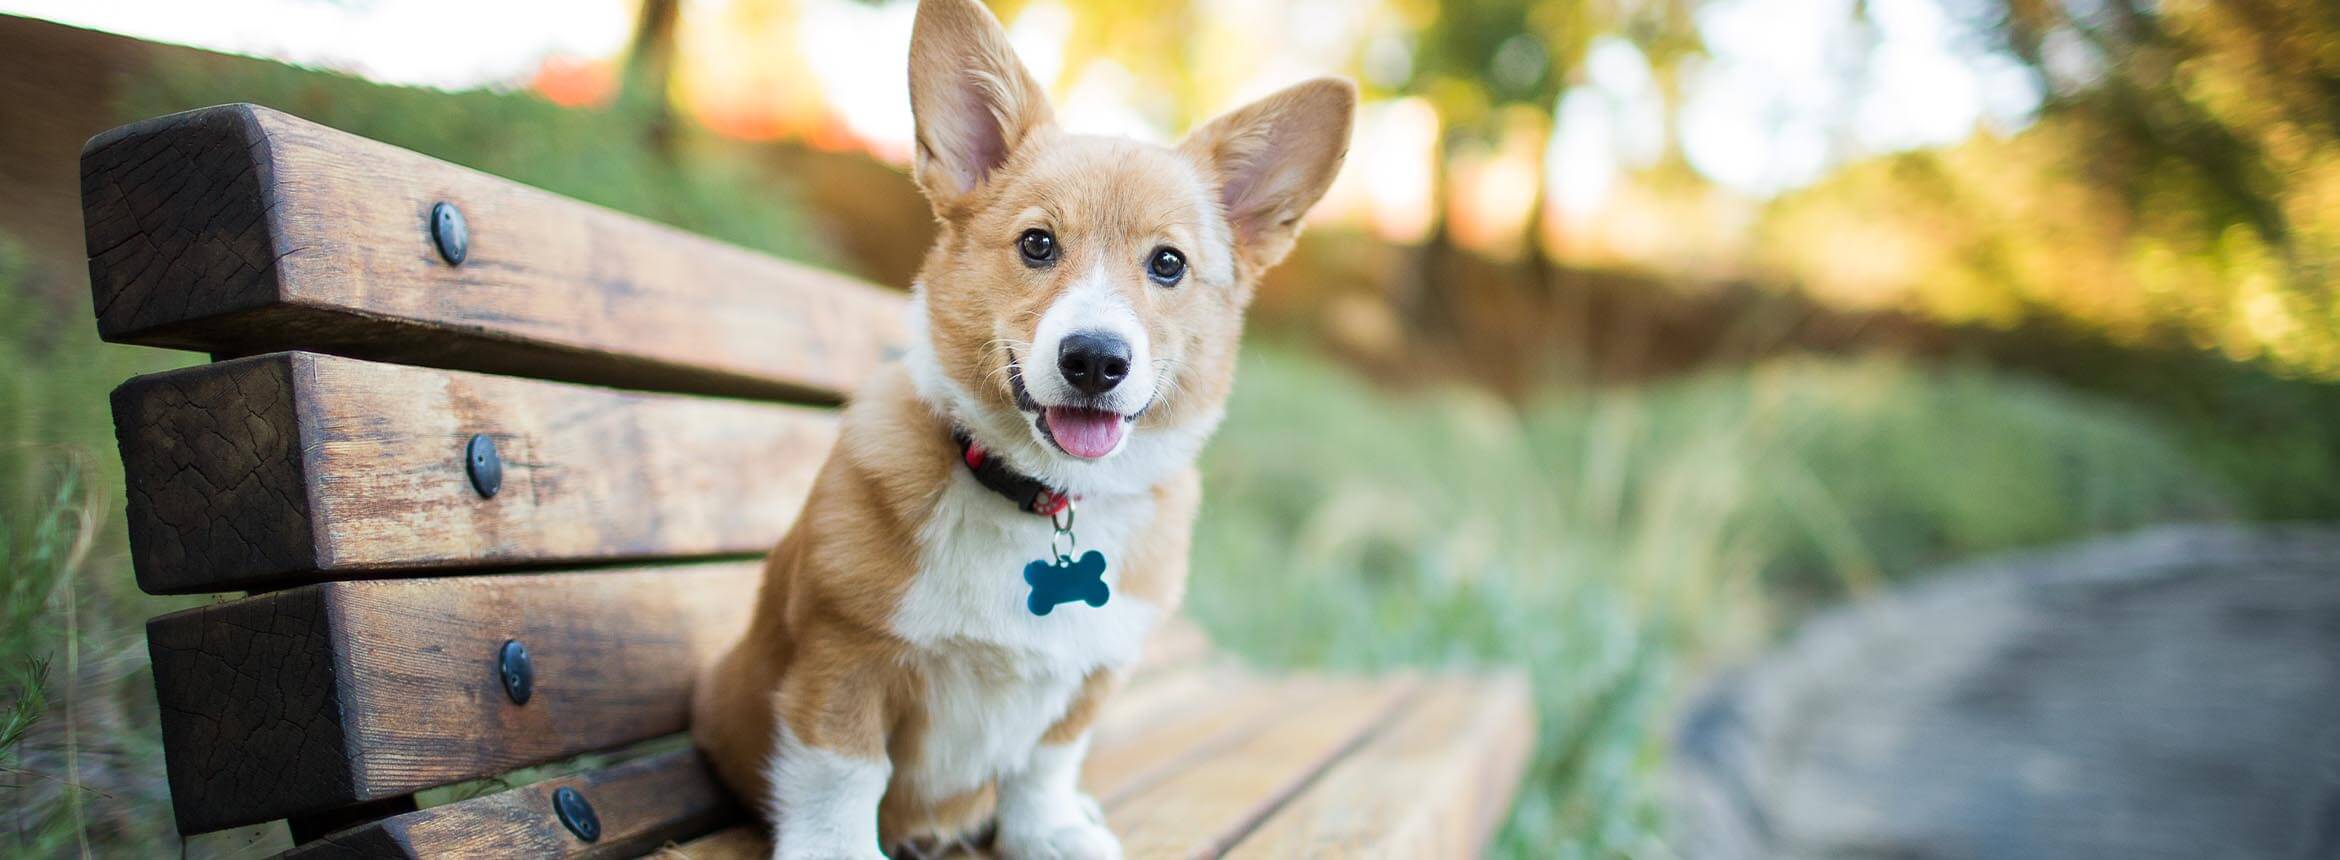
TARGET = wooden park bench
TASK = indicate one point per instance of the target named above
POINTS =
(494, 468)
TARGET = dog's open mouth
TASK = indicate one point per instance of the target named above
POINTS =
(1085, 433)
(1081, 431)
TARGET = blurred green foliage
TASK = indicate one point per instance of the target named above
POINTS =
(1619, 544)
(79, 708)
(2274, 438)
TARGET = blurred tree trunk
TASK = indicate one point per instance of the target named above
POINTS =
(649, 72)
(1424, 298)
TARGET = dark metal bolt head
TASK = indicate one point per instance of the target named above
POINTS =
(518, 674)
(450, 233)
(577, 815)
(485, 466)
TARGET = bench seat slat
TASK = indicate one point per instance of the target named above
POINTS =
(273, 470)
(1435, 784)
(1145, 735)
(340, 693)
(240, 230)
(1216, 798)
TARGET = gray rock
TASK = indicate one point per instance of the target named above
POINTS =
(2174, 693)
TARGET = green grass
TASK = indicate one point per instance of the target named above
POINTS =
(1619, 544)
(43, 559)
(79, 755)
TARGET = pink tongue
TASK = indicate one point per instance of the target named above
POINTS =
(1084, 433)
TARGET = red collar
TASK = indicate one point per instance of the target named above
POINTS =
(1027, 492)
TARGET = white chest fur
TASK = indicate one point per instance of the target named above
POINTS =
(997, 675)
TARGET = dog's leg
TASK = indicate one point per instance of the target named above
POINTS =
(825, 802)
(829, 769)
(1042, 813)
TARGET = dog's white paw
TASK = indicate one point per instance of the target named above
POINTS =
(816, 849)
(1076, 831)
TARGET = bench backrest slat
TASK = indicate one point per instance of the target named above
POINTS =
(340, 693)
(274, 470)
(238, 230)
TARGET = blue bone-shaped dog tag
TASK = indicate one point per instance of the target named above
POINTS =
(1066, 581)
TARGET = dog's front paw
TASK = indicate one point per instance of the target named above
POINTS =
(811, 849)
(1076, 832)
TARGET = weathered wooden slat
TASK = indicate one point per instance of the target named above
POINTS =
(273, 470)
(1217, 798)
(1435, 784)
(1150, 696)
(639, 806)
(339, 693)
(239, 230)
(1163, 728)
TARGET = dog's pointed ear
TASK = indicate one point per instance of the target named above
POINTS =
(972, 100)
(1272, 159)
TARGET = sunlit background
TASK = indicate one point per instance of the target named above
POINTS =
(1726, 140)
(1668, 321)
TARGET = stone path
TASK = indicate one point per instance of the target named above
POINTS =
(2173, 693)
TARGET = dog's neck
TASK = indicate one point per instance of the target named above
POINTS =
(1150, 456)
(1029, 494)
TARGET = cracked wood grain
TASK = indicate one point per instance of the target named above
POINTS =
(273, 470)
(173, 212)
(238, 230)
(253, 675)
(329, 695)
(214, 473)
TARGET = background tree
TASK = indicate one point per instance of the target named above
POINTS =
(2180, 183)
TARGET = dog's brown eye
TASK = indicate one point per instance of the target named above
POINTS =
(1166, 267)
(1038, 248)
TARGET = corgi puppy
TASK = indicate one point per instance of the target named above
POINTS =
(927, 651)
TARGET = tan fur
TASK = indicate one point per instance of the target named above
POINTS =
(821, 655)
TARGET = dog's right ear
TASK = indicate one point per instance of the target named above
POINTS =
(971, 98)
(1273, 159)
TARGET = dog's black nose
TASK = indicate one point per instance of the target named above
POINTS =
(1093, 361)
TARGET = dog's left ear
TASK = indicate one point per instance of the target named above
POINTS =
(972, 100)
(1273, 159)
